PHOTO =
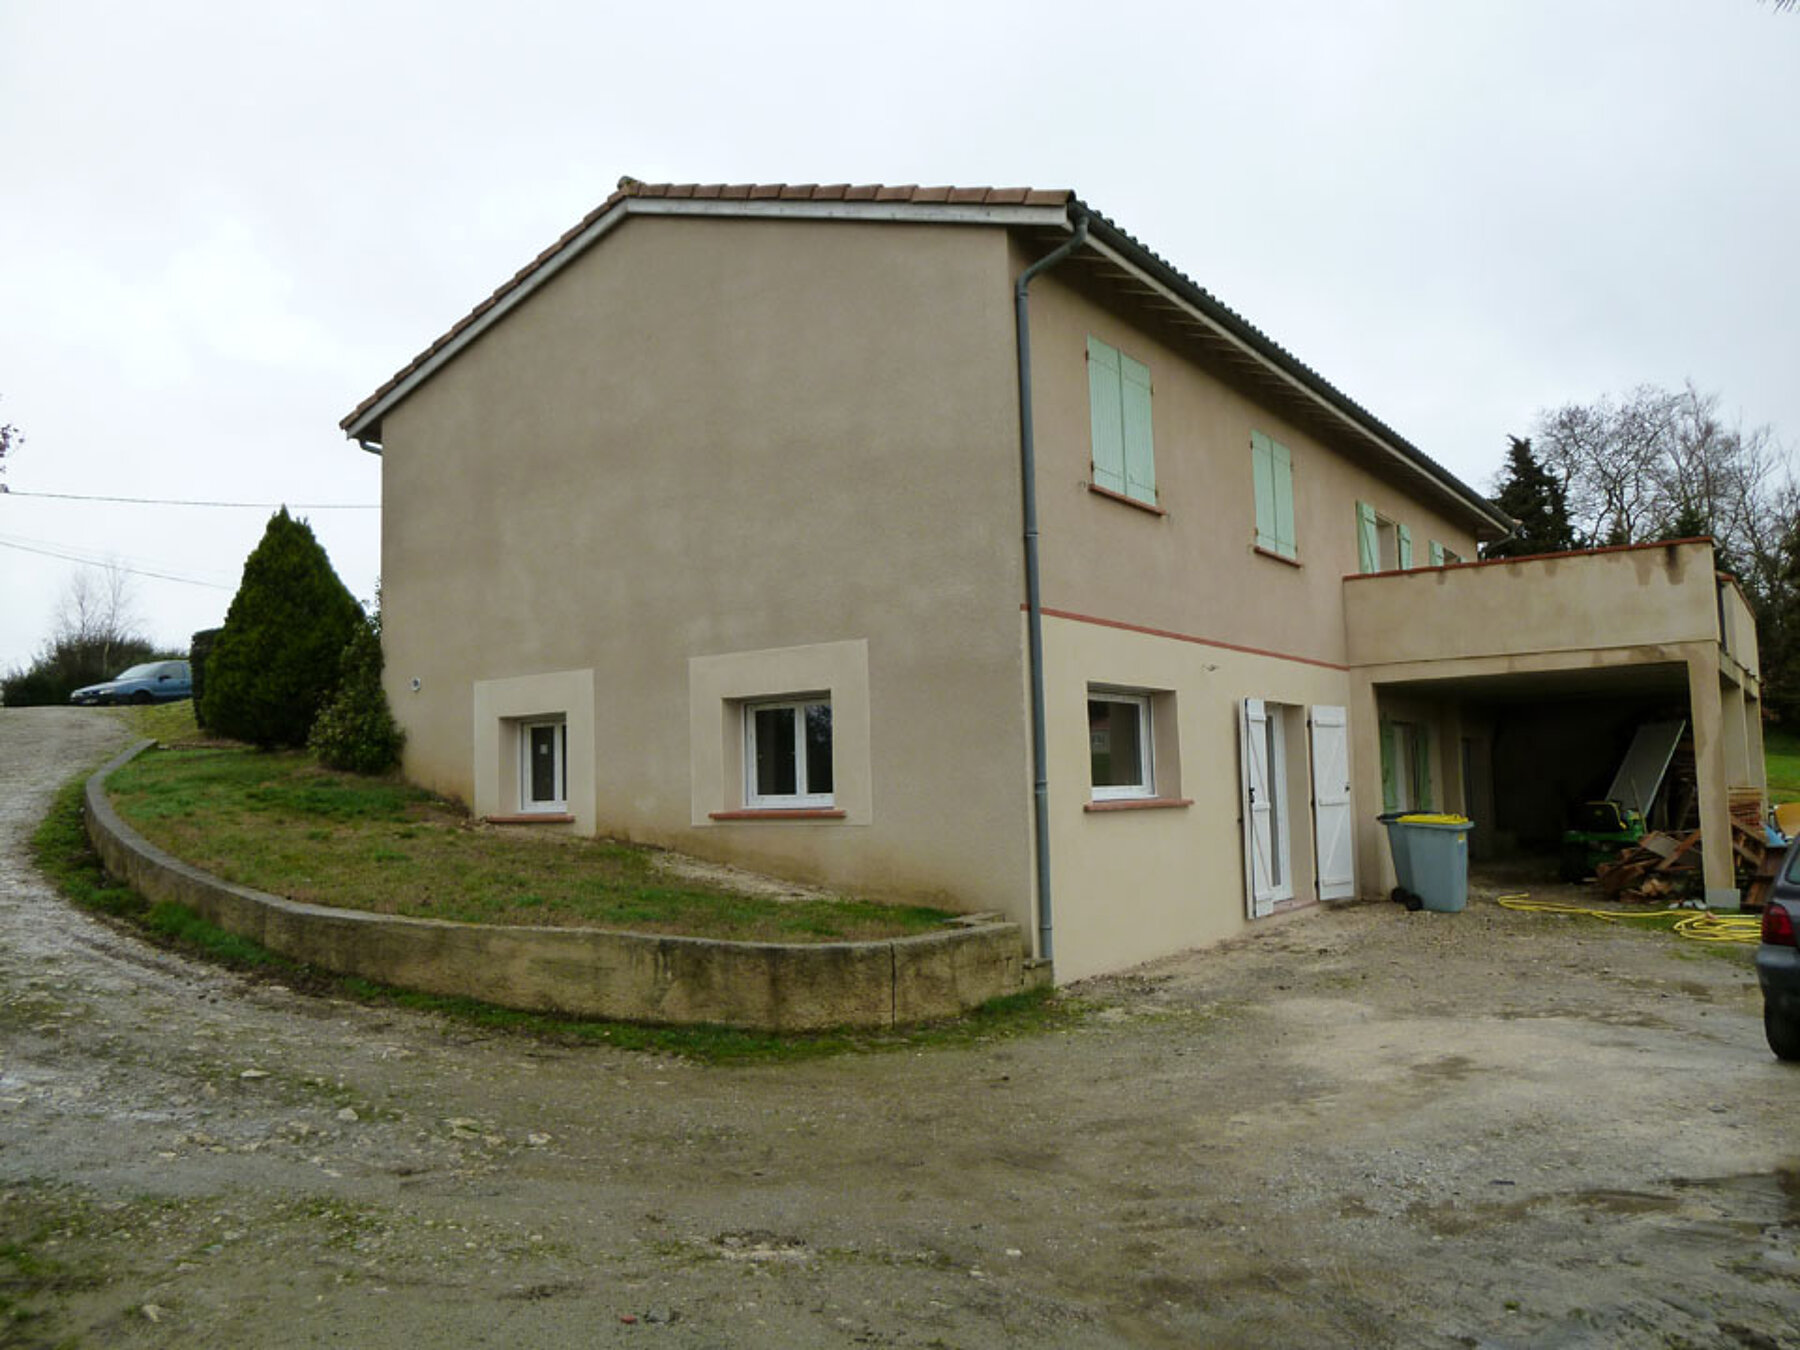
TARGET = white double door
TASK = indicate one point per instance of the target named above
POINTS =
(1267, 802)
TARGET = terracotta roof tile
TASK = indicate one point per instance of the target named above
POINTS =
(909, 193)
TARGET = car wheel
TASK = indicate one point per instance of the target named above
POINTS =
(1783, 1034)
(142, 696)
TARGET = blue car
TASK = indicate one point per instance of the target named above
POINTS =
(152, 682)
(1778, 960)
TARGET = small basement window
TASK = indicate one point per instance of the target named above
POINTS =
(787, 753)
(544, 767)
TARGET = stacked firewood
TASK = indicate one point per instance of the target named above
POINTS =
(1662, 866)
(1658, 867)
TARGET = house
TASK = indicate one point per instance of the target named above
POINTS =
(949, 544)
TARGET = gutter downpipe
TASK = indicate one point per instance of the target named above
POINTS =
(1034, 601)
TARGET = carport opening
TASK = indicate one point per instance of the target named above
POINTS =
(1550, 760)
(1533, 747)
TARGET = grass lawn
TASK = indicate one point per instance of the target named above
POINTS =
(1781, 752)
(281, 823)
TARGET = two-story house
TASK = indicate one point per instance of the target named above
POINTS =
(950, 544)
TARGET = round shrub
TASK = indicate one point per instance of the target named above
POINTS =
(355, 730)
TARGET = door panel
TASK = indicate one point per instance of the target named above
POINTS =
(1253, 740)
(1333, 828)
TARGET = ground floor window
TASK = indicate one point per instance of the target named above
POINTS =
(787, 753)
(1120, 741)
(1405, 766)
(544, 766)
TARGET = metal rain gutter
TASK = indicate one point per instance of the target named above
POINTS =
(1034, 600)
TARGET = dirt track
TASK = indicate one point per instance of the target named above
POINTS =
(1359, 1127)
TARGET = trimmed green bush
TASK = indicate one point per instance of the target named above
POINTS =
(355, 730)
(276, 660)
(199, 649)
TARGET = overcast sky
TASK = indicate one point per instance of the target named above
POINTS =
(223, 225)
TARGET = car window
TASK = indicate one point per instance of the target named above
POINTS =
(1793, 863)
(142, 672)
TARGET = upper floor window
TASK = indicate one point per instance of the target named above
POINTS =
(1382, 545)
(1119, 414)
(1272, 467)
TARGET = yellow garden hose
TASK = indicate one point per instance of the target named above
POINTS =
(1699, 925)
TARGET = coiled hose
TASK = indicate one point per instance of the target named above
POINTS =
(1698, 925)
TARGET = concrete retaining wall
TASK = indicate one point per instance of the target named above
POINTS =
(589, 972)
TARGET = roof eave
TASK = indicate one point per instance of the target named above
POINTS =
(1124, 251)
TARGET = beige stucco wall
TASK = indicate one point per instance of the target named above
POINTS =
(1131, 885)
(1195, 570)
(1529, 606)
(705, 438)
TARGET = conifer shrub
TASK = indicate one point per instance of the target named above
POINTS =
(355, 730)
(277, 659)
(199, 649)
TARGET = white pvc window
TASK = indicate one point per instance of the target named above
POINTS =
(1120, 745)
(787, 753)
(544, 767)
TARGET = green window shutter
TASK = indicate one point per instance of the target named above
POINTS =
(1262, 468)
(1390, 796)
(1274, 472)
(1140, 449)
(1403, 540)
(1106, 416)
(1368, 538)
(1436, 554)
(1422, 768)
(1285, 542)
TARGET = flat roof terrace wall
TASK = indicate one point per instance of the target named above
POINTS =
(1634, 596)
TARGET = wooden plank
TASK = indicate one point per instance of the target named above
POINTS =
(1685, 847)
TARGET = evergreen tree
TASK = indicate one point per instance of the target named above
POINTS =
(277, 658)
(355, 730)
(1531, 495)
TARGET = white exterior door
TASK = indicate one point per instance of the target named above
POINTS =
(1332, 826)
(1256, 801)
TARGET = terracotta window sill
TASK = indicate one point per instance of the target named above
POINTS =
(532, 818)
(778, 813)
(1112, 496)
(1140, 804)
(1271, 553)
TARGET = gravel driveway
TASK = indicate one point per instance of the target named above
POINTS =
(1355, 1127)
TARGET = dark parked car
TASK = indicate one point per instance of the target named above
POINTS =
(1778, 960)
(152, 682)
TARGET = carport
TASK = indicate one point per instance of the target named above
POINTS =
(1510, 690)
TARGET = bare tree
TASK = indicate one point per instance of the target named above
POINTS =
(10, 437)
(98, 611)
(1656, 464)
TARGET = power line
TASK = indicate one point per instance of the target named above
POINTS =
(174, 501)
(94, 562)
